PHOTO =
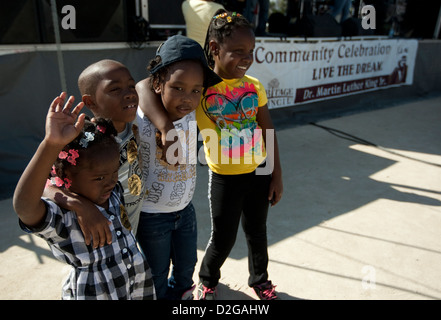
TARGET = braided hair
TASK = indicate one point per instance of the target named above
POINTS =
(97, 135)
(158, 77)
(222, 26)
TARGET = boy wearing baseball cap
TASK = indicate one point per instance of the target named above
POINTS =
(167, 227)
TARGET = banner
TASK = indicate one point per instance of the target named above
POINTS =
(296, 73)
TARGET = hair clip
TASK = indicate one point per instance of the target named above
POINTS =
(225, 15)
(221, 15)
(63, 155)
(88, 136)
(67, 183)
(71, 159)
(101, 129)
(73, 156)
(59, 182)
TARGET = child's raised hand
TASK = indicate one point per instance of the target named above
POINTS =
(62, 125)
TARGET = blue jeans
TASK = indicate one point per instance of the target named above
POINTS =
(166, 237)
(263, 14)
(341, 7)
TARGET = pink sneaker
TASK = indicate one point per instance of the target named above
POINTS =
(205, 293)
(266, 291)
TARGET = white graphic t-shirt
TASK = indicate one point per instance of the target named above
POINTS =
(169, 187)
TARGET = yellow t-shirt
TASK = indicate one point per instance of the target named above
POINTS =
(226, 117)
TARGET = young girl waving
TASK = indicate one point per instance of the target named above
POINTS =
(86, 161)
(241, 150)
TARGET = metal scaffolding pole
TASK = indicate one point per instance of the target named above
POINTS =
(58, 43)
(438, 25)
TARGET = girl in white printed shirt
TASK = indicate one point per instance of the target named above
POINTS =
(167, 229)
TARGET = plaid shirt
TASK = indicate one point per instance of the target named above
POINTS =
(115, 271)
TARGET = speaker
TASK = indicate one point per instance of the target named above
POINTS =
(166, 12)
(30, 21)
(320, 26)
(352, 27)
(278, 23)
(19, 23)
(165, 18)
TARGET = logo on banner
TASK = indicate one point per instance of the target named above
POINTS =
(277, 96)
(399, 75)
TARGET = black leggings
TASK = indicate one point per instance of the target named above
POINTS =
(232, 197)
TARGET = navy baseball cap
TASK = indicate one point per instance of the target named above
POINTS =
(178, 48)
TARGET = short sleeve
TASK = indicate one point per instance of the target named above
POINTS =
(53, 228)
(263, 99)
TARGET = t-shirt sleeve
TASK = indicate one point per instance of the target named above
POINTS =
(263, 99)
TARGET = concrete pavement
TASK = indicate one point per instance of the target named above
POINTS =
(355, 221)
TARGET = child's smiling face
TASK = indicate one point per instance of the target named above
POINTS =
(182, 88)
(234, 56)
(115, 96)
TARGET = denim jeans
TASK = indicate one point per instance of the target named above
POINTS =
(170, 237)
(341, 7)
(263, 14)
